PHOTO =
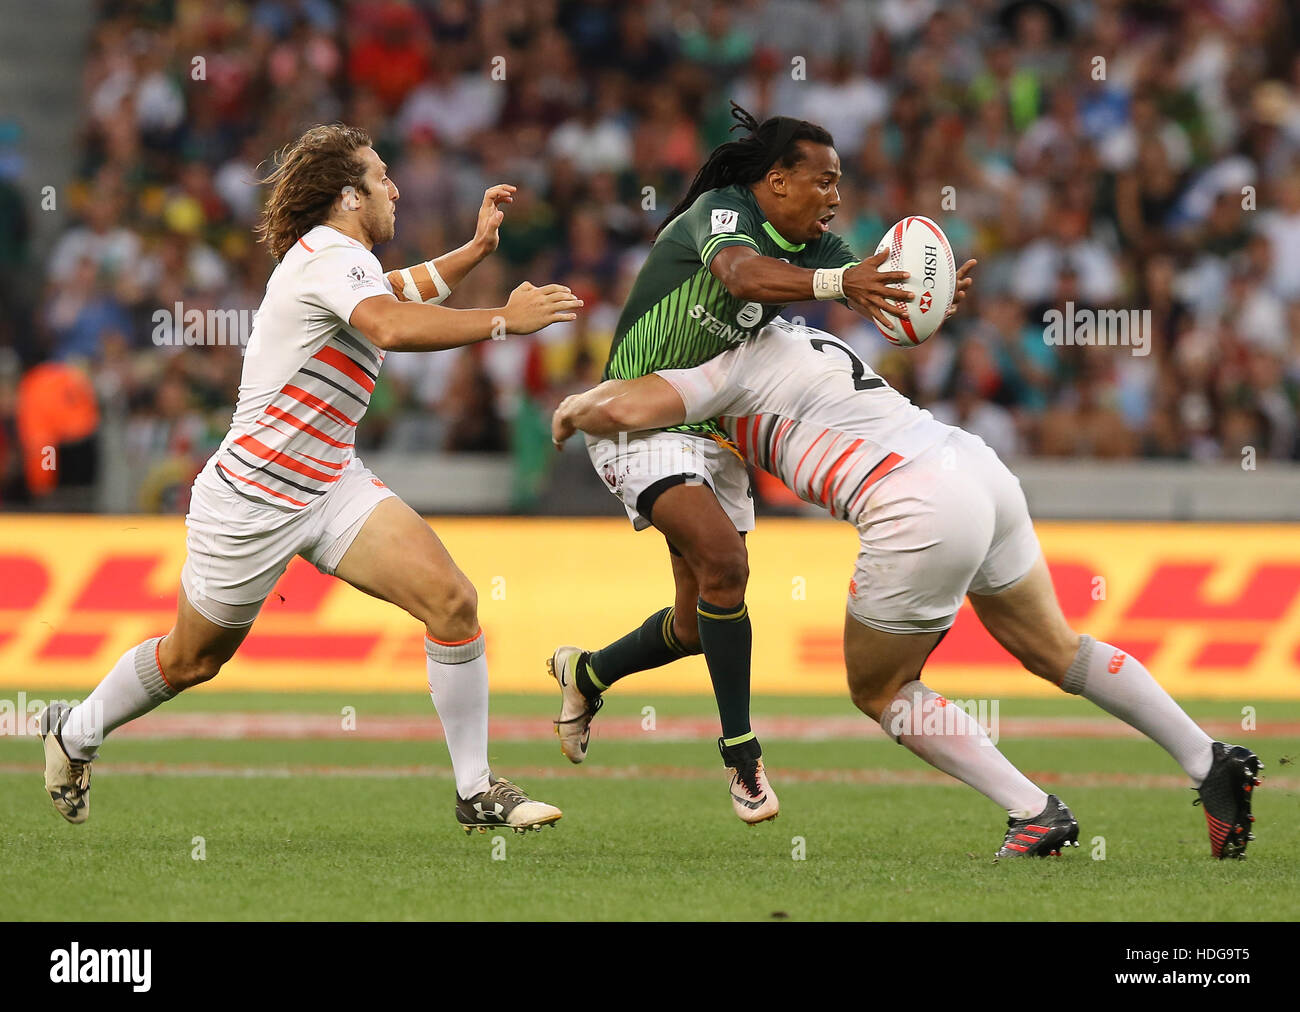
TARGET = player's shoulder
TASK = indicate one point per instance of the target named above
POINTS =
(327, 242)
(323, 248)
(724, 209)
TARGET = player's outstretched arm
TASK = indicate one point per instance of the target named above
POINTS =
(450, 269)
(752, 276)
(649, 402)
(409, 326)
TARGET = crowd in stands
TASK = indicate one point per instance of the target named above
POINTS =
(1105, 154)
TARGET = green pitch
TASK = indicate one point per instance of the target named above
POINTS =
(354, 830)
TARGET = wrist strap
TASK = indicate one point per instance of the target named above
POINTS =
(828, 282)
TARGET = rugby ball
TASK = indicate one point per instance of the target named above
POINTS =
(917, 245)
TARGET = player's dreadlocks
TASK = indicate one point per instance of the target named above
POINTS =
(772, 142)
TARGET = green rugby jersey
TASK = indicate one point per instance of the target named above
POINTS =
(678, 315)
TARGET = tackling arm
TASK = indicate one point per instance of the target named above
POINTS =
(649, 402)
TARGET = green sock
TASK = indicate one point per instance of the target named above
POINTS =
(727, 637)
(650, 645)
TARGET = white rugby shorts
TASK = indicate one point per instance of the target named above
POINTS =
(949, 522)
(639, 467)
(237, 549)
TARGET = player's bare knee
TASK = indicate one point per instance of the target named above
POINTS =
(451, 609)
(722, 574)
(193, 669)
(1048, 658)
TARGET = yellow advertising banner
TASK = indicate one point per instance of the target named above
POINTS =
(1212, 610)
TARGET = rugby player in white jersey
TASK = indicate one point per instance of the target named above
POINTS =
(940, 517)
(286, 481)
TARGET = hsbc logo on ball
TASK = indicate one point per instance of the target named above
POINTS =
(930, 276)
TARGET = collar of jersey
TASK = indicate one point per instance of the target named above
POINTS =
(780, 240)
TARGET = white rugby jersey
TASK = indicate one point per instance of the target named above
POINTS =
(799, 403)
(307, 375)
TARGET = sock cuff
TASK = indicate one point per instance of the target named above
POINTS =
(894, 716)
(459, 652)
(718, 613)
(149, 670)
(584, 661)
(669, 637)
(1076, 675)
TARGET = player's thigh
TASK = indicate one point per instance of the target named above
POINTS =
(397, 557)
(879, 663)
(690, 516)
(1026, 618)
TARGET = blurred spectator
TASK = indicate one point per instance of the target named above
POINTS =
(1106, 155)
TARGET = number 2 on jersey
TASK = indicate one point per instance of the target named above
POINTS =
(861, 381)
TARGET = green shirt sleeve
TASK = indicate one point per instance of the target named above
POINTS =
(719, 220)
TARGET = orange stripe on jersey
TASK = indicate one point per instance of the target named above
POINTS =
(304, 245)
(336, 466)
(877, 472)
(302, 426)
(345, 365)
(312, 401)
(742, 436)
(260, 449)
(820, 460)
(830, 475)
(255, 484)
(794, 483)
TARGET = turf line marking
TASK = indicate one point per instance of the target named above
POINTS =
(391, 727)
(634, 772)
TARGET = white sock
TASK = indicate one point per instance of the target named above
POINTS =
(1121, 686)
(133, 687)
(950, 739)
(458, 683)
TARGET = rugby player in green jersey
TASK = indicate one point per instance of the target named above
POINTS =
(751, 236)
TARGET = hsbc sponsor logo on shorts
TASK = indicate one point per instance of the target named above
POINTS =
(937, 715)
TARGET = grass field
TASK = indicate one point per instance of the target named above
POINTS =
(358, 824)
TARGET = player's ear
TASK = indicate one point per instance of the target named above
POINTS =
(351, 202)
(777, 181)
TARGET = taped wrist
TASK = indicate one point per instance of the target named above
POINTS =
(828, 282)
